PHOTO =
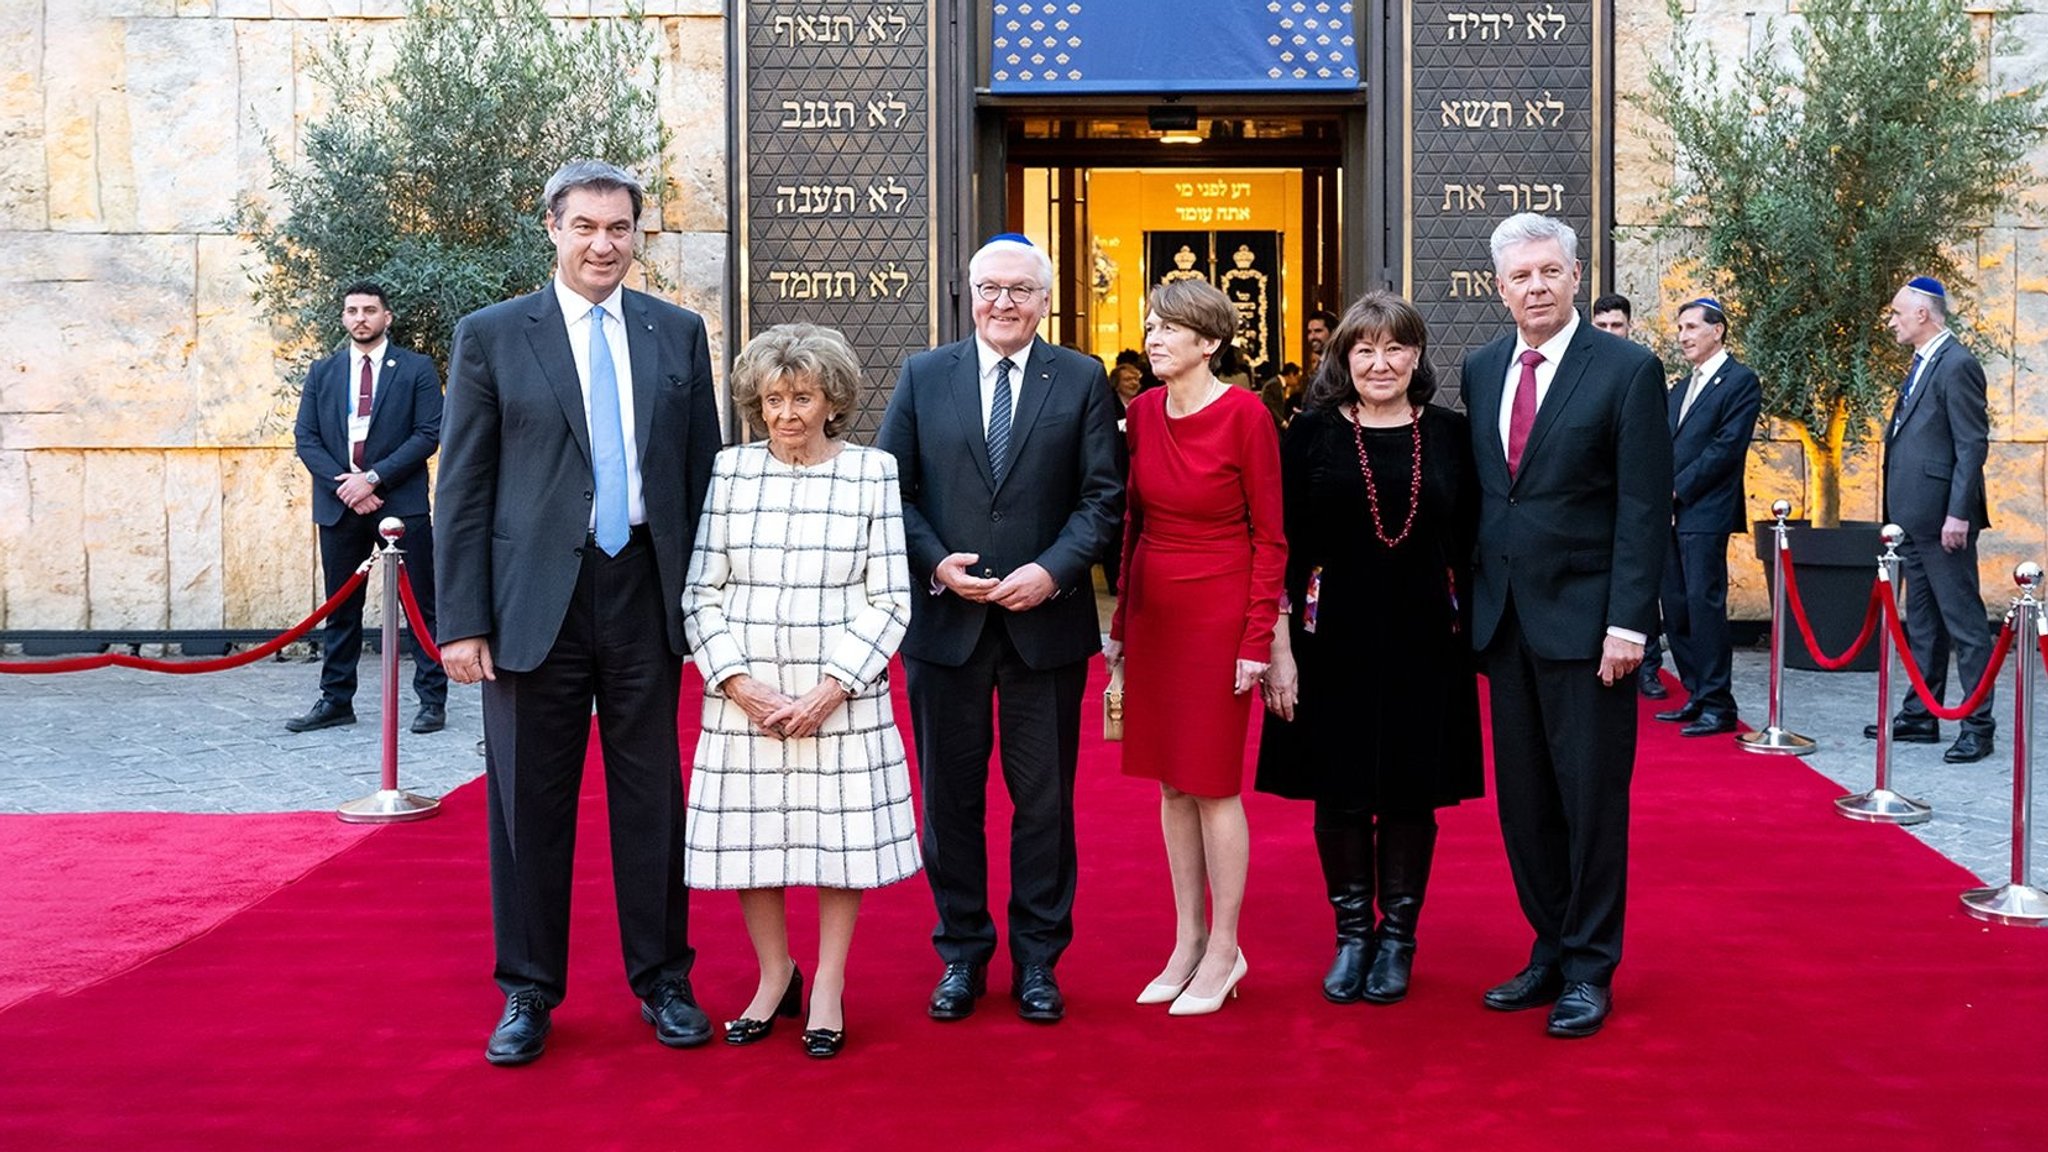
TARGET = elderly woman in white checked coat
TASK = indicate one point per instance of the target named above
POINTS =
(798, 594)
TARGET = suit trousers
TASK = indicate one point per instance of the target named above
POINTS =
(1564, 749)
(1039, 712)
(343, 547)
(613, 650)
(1695, 604)
(1944, 615)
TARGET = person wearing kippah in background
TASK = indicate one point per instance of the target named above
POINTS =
(1934, 449)
(1614, 315)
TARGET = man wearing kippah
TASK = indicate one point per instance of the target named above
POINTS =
(1713, 416)
(1934, 449)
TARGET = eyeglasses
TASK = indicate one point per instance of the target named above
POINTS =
(1016, 293)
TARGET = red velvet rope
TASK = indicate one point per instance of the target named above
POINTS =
(2042, 644)
(1870, 615)
(1983, 689)
(413, 613)
(187, 667)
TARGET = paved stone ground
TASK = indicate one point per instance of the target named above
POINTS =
(122, 740)
(116, 740)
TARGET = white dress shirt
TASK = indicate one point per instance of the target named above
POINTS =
(989, 359)
(1696, 384)
(359, 426)
(576, 317)
(1553, 351)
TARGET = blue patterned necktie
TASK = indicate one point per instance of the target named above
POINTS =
(999, 419)
(607, 442)
(1905, 394)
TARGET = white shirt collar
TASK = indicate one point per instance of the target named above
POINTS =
(1926, 351)
(575, 307)
(989, 357)
(1711, 365)
(375, 355)
(1553, 348)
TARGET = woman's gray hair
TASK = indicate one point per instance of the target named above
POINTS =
(1523, 227)
(595, 174)
(799, 352)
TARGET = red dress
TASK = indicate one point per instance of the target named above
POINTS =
(1204, 557)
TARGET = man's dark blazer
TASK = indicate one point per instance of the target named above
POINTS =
(405, 428)
(1934, 462)
(1059, 503)
(1711, 448)
(515, 486)
(1577, 537)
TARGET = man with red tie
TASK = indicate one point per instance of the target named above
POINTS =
(369, 417)
(1571, 443)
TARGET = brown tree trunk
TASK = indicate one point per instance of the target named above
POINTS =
(1824, 467)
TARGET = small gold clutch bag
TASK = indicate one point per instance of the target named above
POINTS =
(1113, 704)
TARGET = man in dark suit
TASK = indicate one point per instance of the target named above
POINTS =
(1613, 314)
(581, 430)
(369, 416)
(1934, 450)
(1004, 515)
(1570, 440)
(1713, 418)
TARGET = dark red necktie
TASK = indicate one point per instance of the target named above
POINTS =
(1523, 417)
(362, 410)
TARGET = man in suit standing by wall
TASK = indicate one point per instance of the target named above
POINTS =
(581, 430)
(1934, 450)
(1713, 417)
(369, 416)
(1008, 450)
(1573, 451)
(1613, 314)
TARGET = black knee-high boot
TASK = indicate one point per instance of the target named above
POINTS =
(1346, 853)
(1406, 845)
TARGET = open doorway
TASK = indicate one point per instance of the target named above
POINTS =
(1253, 205)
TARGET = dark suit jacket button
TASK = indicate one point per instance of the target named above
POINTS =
(586, 495)
(995, 515)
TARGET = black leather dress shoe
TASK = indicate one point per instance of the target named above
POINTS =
(959, 987)
(1908, 732)
(672, 1009)
(1969, 748)
(1685, 713)
(430, 718)
(1580, 1011)
(1710, 725)
(325, 714)
(1532, 987)
(1652, 685)
(522, 1031)
(1037, 994)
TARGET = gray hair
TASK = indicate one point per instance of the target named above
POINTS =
(1001, 247)
(593, 174)
(1524, 227)
(799, 353)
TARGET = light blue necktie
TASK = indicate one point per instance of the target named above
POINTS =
(999, 419)
(607, 442)
(1906, 395)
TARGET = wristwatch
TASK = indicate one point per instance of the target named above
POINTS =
(371, 476)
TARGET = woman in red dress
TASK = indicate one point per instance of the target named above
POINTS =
(1203, 561)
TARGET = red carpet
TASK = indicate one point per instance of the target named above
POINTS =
(88, 897)
(1792, 980)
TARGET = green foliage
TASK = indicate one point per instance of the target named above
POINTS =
(426, 174)
(1861, 148)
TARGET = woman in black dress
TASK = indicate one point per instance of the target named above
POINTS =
(1374, 690)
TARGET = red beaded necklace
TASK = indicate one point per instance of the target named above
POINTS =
(1372, 491)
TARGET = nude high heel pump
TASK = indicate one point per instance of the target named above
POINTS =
(1164, 991)
(1189, 1004)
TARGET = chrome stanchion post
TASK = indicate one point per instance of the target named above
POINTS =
(2018, 902)
(1774, 737)
(389, 804)
(1881, 805)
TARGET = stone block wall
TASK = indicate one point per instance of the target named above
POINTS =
(146, 472)
(2012, 290)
